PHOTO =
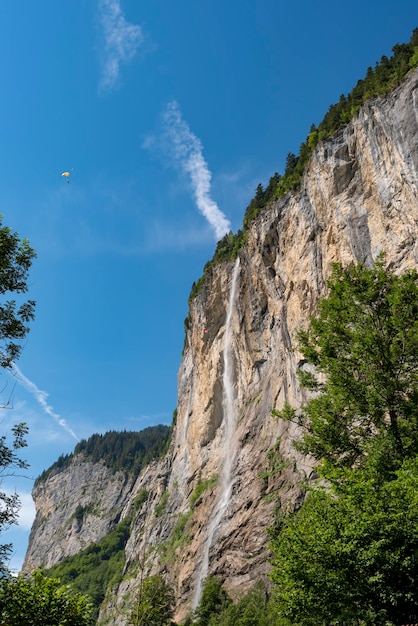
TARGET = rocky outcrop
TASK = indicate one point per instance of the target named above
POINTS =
(75, 507)
(359, 197)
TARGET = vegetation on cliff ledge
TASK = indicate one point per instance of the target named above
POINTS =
(98, 567)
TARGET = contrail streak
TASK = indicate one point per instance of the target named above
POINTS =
(41, 397)
(187, 150)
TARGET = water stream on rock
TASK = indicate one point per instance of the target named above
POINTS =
(226, 477)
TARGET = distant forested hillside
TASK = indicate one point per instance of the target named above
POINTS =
(128, 451)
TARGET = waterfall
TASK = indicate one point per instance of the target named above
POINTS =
(226, 477)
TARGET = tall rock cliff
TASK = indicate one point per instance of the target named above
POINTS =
(208, 503)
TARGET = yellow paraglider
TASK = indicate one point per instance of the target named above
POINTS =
(66, 176)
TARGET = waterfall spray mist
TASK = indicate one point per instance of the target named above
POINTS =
(229, 445)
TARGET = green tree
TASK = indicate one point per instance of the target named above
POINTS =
(349, 554)
(364, 345)
(40, 601)
(214, 601)
(10, 461)
(15, 260)
(154, 604)
(253, 609)
(291, 163)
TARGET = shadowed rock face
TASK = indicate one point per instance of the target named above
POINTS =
(75, 507)
(359, 197)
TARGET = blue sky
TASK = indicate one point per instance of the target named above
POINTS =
(167, 115)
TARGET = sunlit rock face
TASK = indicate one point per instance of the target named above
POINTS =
(359, 197)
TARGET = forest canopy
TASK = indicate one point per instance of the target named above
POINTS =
(127, 451)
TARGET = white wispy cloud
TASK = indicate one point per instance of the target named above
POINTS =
(41, 397)
(187, 151)
(121, 41)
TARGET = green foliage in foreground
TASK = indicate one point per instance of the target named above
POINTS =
(365, 343)
(349, 555)
(214, 602)
(15, 260)
(216, 608)
(40, 601)
(10, 461)
(379, 81)
(154, 603)
(98, 567)
(127, 451)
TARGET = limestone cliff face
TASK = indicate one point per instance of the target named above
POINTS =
(359, 197)
(75, 508)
